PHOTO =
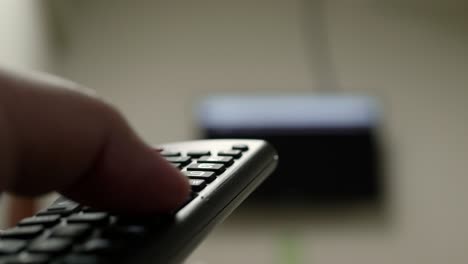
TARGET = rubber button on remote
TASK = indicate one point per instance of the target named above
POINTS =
(24, 232)
(92, 218)
(208, 176)
(62, 208)
(81, 259)
(231, 153)
(88, 209)
(167, 153)
(46, 220)
(50, 246)
(27, 258)
(74, 231)
(216, 168)
(197, 154)
(197, 185)
(98, 246)
(227, 161)
(11, 246)
(125, 232)
(241, 147)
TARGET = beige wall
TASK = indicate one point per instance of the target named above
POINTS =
(154, 58)
(24, 35)
(416, 58)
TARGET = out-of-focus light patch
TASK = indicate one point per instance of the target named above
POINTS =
(289, 111)
(289, 250)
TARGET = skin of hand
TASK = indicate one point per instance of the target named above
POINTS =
(55, 138)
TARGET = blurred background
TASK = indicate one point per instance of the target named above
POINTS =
(158, 60)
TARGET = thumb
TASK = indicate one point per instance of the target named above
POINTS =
(56, 138)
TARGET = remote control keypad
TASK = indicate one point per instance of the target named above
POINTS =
(68, 233)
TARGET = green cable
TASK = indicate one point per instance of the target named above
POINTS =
(289, 249)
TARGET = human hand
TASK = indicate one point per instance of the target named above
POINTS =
(55, 138)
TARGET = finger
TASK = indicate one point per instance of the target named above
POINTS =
(60, 139)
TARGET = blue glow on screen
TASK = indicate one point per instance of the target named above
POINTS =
(309, 111)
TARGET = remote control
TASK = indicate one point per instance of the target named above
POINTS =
(222, 173)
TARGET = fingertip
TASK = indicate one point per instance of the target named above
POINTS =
(54, 138)
(171, 187)
(132, 181)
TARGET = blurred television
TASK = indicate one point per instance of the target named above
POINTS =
(328, 144)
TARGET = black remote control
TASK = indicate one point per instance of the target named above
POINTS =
(222, 173)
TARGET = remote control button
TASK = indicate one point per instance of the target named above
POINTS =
(241, 147)
(226, 161)
(63, 208)
(46, 220)
(11, 246)
(125, 232)
(24, 232)
(80, 259)
(197, 154)
(167, 153)
(88, 209)
(216, 168)
(61, 213)
(98, 246)
(91, 218)
(50, 246)
(27, 258)
(75, 231)
(181, 160)
(197, 185)
(63, 205)
(148, 221)
(208, 176)
(231, 153)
